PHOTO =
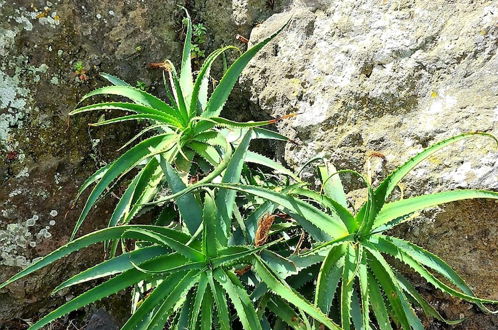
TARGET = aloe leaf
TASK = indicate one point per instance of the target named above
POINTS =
(282, 310)
(146, 189)
(114, 80)
(378, 305)
(387, 279)
(208, 178)
(225, 198)
(153, 300)
(338, 211)
(356, 312)
(266, 134)
(170, 263)
(168, 117)
(206, 151)
(114, 266)
(235, 255)
(186, 82)
(87, 240)
(282, 267)
(169, 241)
(222, 91)
(428, 309)
(179, 96)
(403, 207)
(92, 179)
(119, 167)
(134, 94)
(241, 301)
(329, 277)
(332, 185)
(253, 157)
(348, 275)
(183, 162)
(385, 246)
(286, 292)
(156, 118)
(391, 293)
(221, 303)
(328, 224)
(188, 206)
(123, 206)
(429, 260)
(174, 300)
(223, 122)
(112, 286)
(386, 187)
(206, 311)
(200, 91)
(364, 292)
(158, 127)
(185, 313)
(198, 300)
(210, 222)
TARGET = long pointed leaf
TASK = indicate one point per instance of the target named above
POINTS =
(153, 300)
(188, 206)
(174, 300)
(331, 226)
(121, 166)
(186, 82)
(285, 291)
(114, 266)
(168, 240)
(225, 199)
(134, 94)
(240, 299)
(329, 277)
(403, 207)
(220, 94)
(386, 187)
(87, 240)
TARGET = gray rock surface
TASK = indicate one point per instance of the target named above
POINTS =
(394, 77)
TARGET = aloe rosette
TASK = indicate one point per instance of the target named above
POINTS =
(370, 292)
(187, 129)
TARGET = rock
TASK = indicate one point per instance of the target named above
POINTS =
(391, 78)
(101, 320)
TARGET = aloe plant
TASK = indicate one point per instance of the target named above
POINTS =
(371, 292)
(185, 130)
(186, 278)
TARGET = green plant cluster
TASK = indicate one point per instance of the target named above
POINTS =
(235, 245)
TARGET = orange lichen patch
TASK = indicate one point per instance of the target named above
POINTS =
(263, 230)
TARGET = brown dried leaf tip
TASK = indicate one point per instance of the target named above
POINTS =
(242, 39)
(160, 65)
(290, 115)
(264, 226)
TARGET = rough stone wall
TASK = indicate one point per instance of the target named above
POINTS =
(394, 77)
(44, 154)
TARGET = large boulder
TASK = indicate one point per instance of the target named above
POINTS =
(392, 77)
